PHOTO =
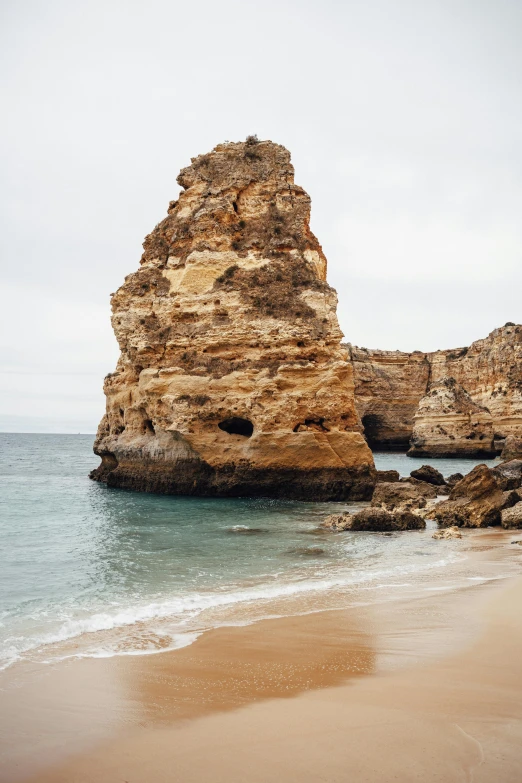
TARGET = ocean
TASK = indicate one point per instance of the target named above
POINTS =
(91, 571)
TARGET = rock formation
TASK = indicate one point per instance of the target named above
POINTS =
(388, 388)
(428, 474)
(403, 495)
(232, 379)
(480, 498)
(375, 520)
(390, 385)
(512, 517)
(448, 422)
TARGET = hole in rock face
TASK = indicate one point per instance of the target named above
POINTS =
(234, 204)
(237, 426)
(311, 424)
(148, 426)
(372, 424)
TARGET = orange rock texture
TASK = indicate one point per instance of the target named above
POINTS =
(465, 401)
(232, 379)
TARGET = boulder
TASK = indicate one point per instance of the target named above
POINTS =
(388, 476)
(475, 501)
(453, 479)
(512, 448)
(429, 474)
(448, 532)
(509, 474)
(375, 520)
(402, 495)
(381, 520)
(512, 517)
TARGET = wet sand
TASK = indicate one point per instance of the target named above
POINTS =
(425, 688)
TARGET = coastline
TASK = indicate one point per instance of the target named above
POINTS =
(305, 697)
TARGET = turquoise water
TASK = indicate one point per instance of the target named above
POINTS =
(87, 570)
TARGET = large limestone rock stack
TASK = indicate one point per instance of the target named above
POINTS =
(448, 423)
(231, 379)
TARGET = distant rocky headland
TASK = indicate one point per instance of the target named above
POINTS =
(459, 402)
(232, 379)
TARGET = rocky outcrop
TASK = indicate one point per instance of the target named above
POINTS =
(512, 448)
(447, 422)
(388, 476)
(512, 517)
(453, 479)
(428, 474)
(375, 520)
(403, 495)
(389, 386)
(478, 500)
(509, 474)
(232, 379)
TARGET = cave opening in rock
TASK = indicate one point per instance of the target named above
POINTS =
(372, 428)
(148, 426)
(237, 426)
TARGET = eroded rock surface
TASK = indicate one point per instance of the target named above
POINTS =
(512, 517)
(478, 500)
(429, 474)
(512, 448)
(375, 520)
(389, 386)
(403, 495)
(231, 378)
(447, 422)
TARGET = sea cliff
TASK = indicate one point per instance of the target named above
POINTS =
(459, 402)
(232, 379)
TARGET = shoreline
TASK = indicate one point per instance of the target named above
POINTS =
(90, 717)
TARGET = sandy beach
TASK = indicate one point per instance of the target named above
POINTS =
(427, 688)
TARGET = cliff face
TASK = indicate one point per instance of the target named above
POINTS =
(389, 387)
(448, 422)
(231, 378)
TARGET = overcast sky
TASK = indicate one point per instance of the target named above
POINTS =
(404, 120)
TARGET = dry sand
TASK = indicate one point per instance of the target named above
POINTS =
(428, 688)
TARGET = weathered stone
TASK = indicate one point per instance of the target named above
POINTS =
(381, 520)
(389, 386)
(231, 379)
(477, 483)
(388, 476)
(509, 474)
(449, 423)
(475, 501)
(512, 447)
(375, 520)
(512, 517)
(429, 474)
(402, 495)
(448, 532)
(453, 479)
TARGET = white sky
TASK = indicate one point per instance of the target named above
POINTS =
(404, 119)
